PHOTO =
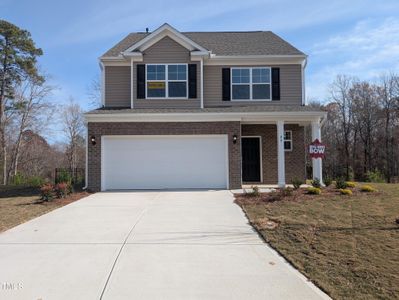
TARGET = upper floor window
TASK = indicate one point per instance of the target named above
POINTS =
(166, 81)
(250, 84)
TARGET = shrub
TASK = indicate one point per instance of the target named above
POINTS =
(328, 181)
(316, 183)
(18, 179)
(340, 183)
(368, 189)
(346, 192)
(35, 181)
(350, 184)
(62, 189)
(286, 192)
(297, 183)
(47, 192)
(397, 220)
(63, 176)
(314, 190)
(255, 192)
(374, 176)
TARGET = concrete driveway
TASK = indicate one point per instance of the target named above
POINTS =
(145, 245)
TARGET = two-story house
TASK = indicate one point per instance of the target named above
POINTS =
(200, 110)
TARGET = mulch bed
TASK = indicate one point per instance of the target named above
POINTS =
(296, 196)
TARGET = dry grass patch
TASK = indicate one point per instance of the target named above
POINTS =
(21, 204)
(347, 245)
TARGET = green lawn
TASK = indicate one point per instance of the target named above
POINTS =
(347, 245)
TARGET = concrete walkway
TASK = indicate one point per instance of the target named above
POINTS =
(145, 245)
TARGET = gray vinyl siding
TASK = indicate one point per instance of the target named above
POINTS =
(117, 86)
(290, 87)
(167, 51)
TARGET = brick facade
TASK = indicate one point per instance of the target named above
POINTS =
(294, 160)
(160, 128)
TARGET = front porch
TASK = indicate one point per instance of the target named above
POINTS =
(272, 155)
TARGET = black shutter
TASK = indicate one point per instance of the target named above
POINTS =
(226, 84)
(140, 81)
(192, 81)
(275, 83)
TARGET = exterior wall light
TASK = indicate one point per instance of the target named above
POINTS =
(93, 140)
(234, 139)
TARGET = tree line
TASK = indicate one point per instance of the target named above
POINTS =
(362, 129)
(27, 114)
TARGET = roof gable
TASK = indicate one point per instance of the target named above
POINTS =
(164, 31)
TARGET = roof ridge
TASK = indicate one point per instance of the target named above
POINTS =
(232, 31)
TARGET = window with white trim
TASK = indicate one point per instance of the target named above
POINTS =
(288, 140)
(251, 84)
(166, 81)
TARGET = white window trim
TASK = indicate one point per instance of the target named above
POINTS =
(250, 83)
(166, 80)
(288, 140)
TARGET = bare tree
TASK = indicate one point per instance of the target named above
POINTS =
(339, 92)
(94, 92)
(364, 99)
(32, 112)
(389, 100)
(73, 127)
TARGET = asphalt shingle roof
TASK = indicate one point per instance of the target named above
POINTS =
(224, 43)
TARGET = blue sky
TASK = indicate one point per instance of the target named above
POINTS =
(359, 38)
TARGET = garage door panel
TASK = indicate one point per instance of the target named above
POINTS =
(159, 162)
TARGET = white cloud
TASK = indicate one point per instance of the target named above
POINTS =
(366, 51)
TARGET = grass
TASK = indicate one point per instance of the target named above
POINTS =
(21, 204)
(347, 245)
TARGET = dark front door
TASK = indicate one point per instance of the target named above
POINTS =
(250, 148)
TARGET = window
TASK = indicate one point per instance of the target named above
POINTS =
(250, 84)
(166, 81)
(288, 140)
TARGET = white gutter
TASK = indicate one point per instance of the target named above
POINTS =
(212, 116)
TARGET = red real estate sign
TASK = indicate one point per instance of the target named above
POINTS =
(317, 149)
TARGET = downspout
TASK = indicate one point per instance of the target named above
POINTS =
(131, 83)
(202, 82)
(87, 155)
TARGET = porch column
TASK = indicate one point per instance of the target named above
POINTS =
(280, 153)
(316, 162)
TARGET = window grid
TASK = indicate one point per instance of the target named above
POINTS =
(251, 83)
(166, 81)
(288, 140)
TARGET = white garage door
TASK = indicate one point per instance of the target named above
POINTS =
(164, 162)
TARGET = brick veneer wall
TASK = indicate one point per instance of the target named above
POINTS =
(159, 128)
(294, 160)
